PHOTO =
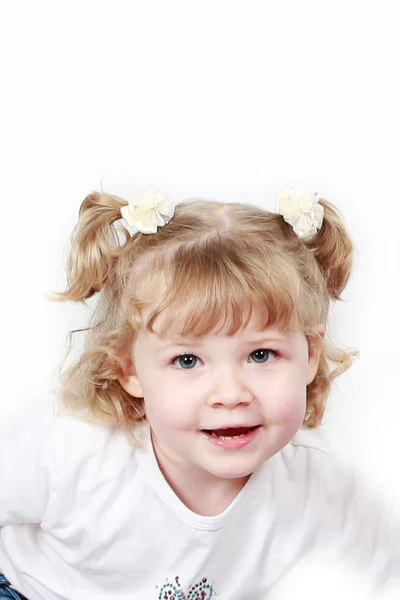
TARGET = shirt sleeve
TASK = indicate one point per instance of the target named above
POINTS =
(26, 460)
(359, 524)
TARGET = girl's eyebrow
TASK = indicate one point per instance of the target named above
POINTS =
(176, 344)
(265, 339)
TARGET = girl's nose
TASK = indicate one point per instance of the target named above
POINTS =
(229, 389)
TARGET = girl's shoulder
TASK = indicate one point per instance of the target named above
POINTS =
(53, 460)
(81, 438)
(311, 461)
(26, 425)
(41, 428)
(315, 441)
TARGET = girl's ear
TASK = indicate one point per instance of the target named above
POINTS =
(130, 381)
(315, 344)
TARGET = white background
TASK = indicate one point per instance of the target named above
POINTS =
(227, 100)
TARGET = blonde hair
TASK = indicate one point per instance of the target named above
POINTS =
(213, 260)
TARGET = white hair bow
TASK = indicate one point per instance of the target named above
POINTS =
(301, 209)
(148, 212)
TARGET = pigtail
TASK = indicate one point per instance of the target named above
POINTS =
(95, 246)
(334, 253)
(333, 250)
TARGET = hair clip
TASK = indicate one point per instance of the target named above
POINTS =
(301, 209)
(150, 211)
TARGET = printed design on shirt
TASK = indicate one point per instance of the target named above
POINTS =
(203, 590)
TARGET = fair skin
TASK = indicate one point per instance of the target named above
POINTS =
(194, 388)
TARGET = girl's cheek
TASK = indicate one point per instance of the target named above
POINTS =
(169, 404)
(287, 404)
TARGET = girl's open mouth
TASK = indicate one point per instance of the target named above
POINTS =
(231, 438)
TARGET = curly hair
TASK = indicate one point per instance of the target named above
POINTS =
(213, 260)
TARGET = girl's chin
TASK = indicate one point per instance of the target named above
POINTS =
(232, 467)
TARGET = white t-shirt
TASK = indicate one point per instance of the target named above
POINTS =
(84, 516)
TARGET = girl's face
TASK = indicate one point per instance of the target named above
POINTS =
(219, 406)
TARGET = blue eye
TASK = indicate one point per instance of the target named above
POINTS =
(189, 361)
(186, 361)
(262, 355)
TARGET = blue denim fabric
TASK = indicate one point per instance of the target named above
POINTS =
(6, 591)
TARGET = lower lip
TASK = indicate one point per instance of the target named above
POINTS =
(233, 443)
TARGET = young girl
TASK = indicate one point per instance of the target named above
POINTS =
(181, 463)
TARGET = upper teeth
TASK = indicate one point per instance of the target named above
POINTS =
(227, 437)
